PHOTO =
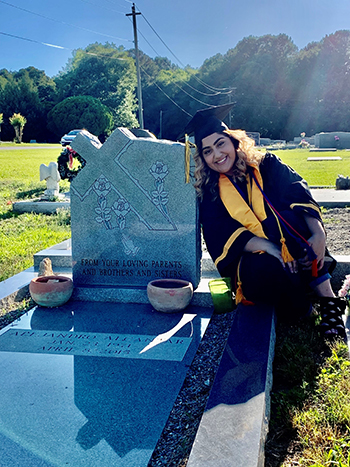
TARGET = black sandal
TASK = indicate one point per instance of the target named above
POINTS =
(331, 310)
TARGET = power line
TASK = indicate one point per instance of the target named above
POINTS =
(192, 97)
(91, 53)
(63, 22)
(101, 6)
(177, 85)
(215, 94)
(197, 90)
(112, 37)
(208, 86)
(113, 2)
(172, 100)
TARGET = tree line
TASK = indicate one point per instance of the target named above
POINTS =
(278, 90)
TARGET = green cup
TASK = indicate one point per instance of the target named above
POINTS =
(221, 294)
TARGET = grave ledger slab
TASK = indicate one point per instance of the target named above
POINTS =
(76, 389)
(134, 219)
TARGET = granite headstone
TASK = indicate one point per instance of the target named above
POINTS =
(333, 139)
(134, 219)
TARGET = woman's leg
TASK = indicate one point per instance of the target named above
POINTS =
(324, 289)
(265, 280)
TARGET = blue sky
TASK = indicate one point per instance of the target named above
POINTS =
(193, 30)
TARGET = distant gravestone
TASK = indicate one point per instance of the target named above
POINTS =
(342, 183)
(327, 158)
(255, 136)
(333, 139)
(134, 219)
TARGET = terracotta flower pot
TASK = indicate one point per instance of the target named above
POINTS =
(51, 291)
(169, 295)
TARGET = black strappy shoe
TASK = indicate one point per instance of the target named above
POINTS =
(331, 310)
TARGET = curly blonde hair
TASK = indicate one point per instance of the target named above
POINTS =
(246, 153)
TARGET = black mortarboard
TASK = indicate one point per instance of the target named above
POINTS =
(208, 121)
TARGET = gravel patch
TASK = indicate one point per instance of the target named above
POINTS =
(337, 225)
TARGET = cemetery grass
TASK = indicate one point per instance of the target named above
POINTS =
(310, 414)
(310, 410)
(316, 173)
(22, 235)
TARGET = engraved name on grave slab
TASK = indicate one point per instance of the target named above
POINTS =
(134, 219)
(93, 344)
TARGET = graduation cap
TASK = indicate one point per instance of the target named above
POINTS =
(207, 121)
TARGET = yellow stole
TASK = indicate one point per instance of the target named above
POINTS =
(237, 207)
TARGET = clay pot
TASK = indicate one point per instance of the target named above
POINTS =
(51, 291)
(169, 295)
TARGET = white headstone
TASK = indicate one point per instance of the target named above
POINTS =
(51, 175)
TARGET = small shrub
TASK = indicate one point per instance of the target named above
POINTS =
(18, 122)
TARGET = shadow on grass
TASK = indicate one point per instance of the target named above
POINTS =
(34, 192)
(8, 215)
(13, 310)
(20, 196)
(299, 353)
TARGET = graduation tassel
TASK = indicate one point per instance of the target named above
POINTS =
(286, 256)
(187, 159)
(239, 297)
(239, 293)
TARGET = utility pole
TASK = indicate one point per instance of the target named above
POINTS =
(139, 90)
(230, 100)
(160, 124)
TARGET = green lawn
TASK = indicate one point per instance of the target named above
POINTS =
(23, 235)
(22, 162)
(316, 173)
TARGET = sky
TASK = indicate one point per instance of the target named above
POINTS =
(186, 31)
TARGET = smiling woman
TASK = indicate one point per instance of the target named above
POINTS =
(261, 225)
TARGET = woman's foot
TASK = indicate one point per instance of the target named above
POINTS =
(331, 310)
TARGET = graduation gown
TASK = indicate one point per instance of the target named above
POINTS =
(226, 233)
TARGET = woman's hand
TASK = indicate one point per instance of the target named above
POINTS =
(256, 244)
(317, 242)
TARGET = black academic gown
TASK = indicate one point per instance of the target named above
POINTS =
(285, 189)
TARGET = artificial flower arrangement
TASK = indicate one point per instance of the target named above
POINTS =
(69, 163)
(345, 290)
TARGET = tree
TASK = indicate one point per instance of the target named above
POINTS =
(258, 69)
(165, 92)
(107, 73)
(31, 93)
(18, 122)
(80, 112)
(1, 122)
